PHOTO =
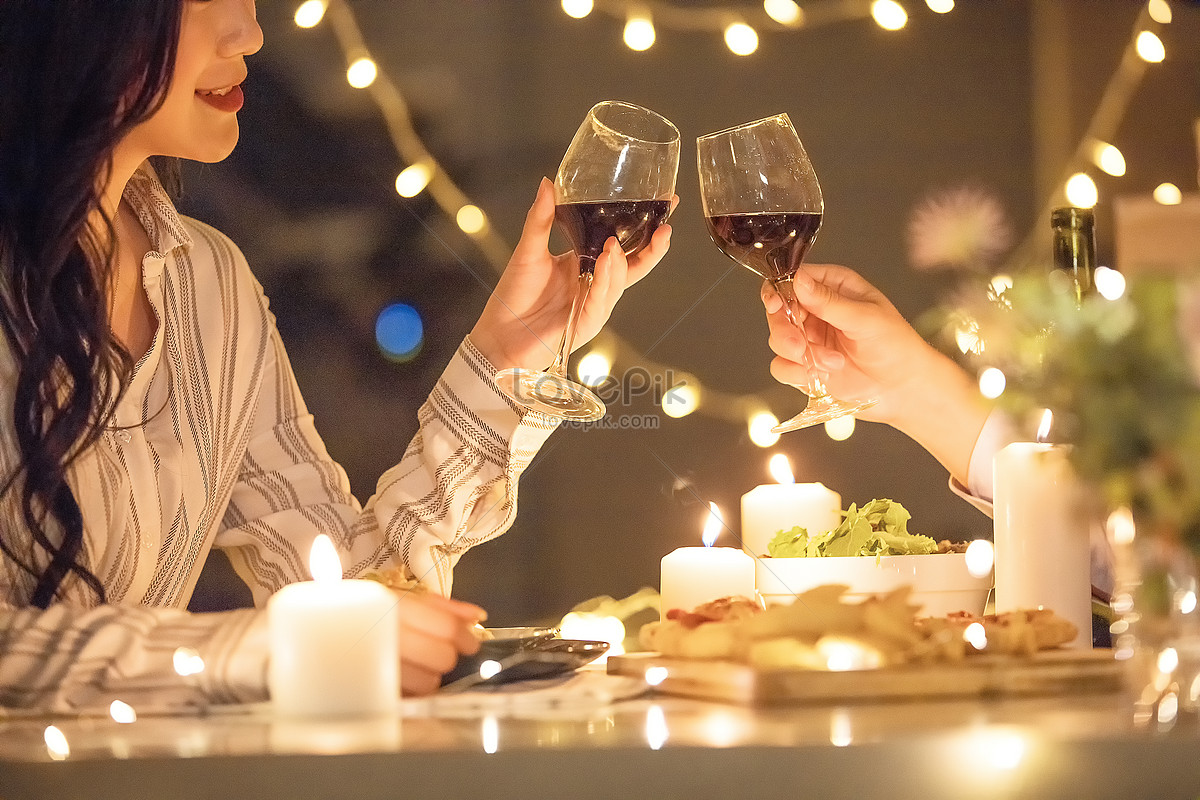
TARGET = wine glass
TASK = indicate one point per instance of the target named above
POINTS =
(763, 207)
(616, 179)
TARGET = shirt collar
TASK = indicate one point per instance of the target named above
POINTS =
(150, 201)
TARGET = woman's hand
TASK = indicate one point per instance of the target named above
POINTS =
(524, 319)
(434, 632)
(864, 348)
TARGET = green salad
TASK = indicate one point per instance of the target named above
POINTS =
(880, 528)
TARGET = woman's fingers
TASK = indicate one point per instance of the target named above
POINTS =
(647, 259)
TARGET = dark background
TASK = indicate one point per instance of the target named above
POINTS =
(497, 90)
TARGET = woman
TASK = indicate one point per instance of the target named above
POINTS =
(150, 410)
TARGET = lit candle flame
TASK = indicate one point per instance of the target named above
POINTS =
(712, 528)
(781, 469)
(1044, 429)
(323, 561)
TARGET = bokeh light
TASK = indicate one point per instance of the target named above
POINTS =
(577, 8)
(785, 12)
(741, 39)
(889, 14)
(840, 429)
(1081, 191)
(1168, 194)
(310, 13)
(760, 429)
(362, 73)
(639, 33)
(399, 332)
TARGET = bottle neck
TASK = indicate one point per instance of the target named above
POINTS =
(1074, 248)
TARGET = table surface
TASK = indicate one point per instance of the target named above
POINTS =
(1081, 745)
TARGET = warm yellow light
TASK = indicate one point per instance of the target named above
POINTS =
(840, 429)
(681, 401)
(362, 73)
(991, 383)
(713, 525)
(323, 562)
(940, 6)
(976, 635)
(413, 179)
(889, 14)
(967, 337)
(1001, 283)
(122, 712)
(187, 662)
(1150, 47)
(310, 13)
(1168, 194)
(741, 39)
(577, 8)
(1160, 11)
(657, 732)
(656, 675)
(639, 33)
(470, 218)
(593, 368)
(1109, 283)
(1043, 431)
(489, 734)
(1108, 158)
(1081, 191)
(785, 12)
(781, 469)
(1121, 528)
(760, 429)
(980, 558)
(585, 626)
(56, 743)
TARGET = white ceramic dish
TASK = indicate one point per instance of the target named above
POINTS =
(941, 583)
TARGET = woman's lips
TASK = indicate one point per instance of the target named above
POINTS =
(230, 101)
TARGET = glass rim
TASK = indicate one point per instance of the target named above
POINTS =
(624, 104)
(749, 124)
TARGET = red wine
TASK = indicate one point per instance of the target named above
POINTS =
(771, 244)
(588, 225)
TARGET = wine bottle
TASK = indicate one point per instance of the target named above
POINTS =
(1075, 247)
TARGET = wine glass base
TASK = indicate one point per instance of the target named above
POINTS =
(550, 394)
(820, 411)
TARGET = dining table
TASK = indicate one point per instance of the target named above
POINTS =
(597, 735)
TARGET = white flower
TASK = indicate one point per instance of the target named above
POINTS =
(961, 228)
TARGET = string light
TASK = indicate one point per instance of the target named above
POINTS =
(56, 743)
(1109, 283)
(593, 368)
(840, 429)
(470, 218)
(1081, 191)
(940, 6)
(1150, 47)
(362, 73)
(578, 9)
(681, 401)
(889, 14)
(741, 39)
(785, 12)
(1108, 158)
(639, 33)
(310, 13)
(121, 712)
(1160, 11)
(991, 383)
(760, 429)
(1168, 194)
(413, 179)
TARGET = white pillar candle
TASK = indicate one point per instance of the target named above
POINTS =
(781, 506)
(692, 576)
(1042, 535)
(334, 644)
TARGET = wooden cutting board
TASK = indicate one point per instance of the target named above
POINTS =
(1049, 672)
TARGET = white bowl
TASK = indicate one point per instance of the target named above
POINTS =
(941, 583)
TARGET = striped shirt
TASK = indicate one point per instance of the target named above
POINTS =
(212, 446)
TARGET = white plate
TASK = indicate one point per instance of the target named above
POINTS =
(940, 581)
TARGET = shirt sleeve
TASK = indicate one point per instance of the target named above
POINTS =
(997, 432)
(455, 486)
(71, 659)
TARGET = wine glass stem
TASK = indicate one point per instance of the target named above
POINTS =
(815, 386)
(559, 367)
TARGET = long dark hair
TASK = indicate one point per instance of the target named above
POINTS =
(75, 77)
